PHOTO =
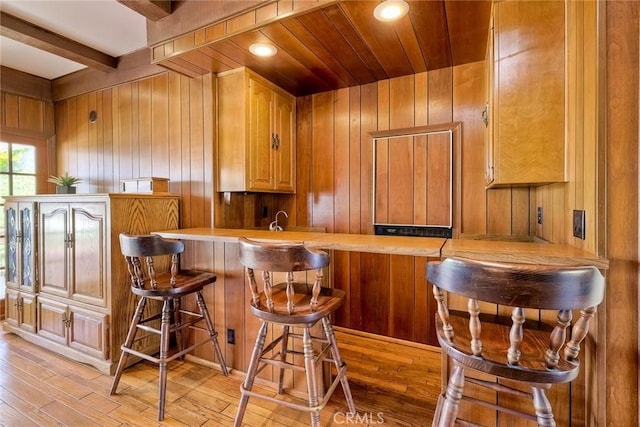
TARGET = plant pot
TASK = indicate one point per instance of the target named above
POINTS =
(65, 190)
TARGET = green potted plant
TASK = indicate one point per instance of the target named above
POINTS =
(65, 184)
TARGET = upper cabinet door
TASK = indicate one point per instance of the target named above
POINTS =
(261, 137)
(256, 135)
(73, 254)
(53, 243)
(528, 103)
(88, 253)
(285, 148)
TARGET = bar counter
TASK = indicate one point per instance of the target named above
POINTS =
(488, 250)
(425, 246)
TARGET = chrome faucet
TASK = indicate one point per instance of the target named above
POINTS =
(274, 224)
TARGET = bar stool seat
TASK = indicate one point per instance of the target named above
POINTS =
(523, 349)
(145, 255)
(292, 304)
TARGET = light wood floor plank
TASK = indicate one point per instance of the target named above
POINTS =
(392, 384)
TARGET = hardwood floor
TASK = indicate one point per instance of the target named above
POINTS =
(393, 384)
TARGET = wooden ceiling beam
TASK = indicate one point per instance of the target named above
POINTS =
(38, 37)
(150, 9)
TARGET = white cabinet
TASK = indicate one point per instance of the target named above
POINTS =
(256, 134)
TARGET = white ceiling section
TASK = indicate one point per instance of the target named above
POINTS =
(104, 25)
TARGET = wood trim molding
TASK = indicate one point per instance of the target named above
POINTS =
(19, 83)
(230, 26)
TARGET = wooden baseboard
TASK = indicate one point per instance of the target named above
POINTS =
(383, 338)
(104, 366)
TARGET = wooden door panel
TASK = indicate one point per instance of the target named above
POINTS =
(88, 332)
(53, 248)
(52, 320)
(28, 312)
(285, 154)
(260, 129)
(88, 257)
(12, 307)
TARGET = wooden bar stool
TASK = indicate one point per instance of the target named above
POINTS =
(517, 348)
(292, 304)
(145, 255)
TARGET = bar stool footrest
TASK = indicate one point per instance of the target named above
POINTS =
(300, 406)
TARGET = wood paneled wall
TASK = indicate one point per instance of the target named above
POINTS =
(603, 56)
(164, 126)
(387, 294)
(26, 116)
(621, 113)
(160, 126)
(26, 106)
(584, 172)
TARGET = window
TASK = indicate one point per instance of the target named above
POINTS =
(17, 177)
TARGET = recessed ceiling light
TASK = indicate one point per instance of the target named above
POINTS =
(263, 49)
(391, 10)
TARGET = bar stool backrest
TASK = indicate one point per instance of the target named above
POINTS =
(281, 258)
(148, 253)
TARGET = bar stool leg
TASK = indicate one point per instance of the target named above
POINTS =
(310, 370)
(176, 321)
(340, 365)
(251, 373)
(451, 401)
(283, 356)
(544, 413)
(131, 335)
(165, 328)
(212, 332)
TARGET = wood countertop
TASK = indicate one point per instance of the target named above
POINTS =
(521, 252)
(424, 246)
(487, 250)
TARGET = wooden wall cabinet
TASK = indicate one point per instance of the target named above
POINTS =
(256, 134)
(80, 303)
(526, 107)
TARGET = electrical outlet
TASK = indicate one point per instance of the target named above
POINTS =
(231, 336)
(579, 224)
(539, 215)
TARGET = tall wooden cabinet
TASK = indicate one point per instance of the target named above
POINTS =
(256, 134)
(79, 303)
(526, 106)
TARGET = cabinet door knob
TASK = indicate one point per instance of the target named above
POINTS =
(273, 141)
(277, 141)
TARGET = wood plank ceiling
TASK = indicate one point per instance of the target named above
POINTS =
(342, 45)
